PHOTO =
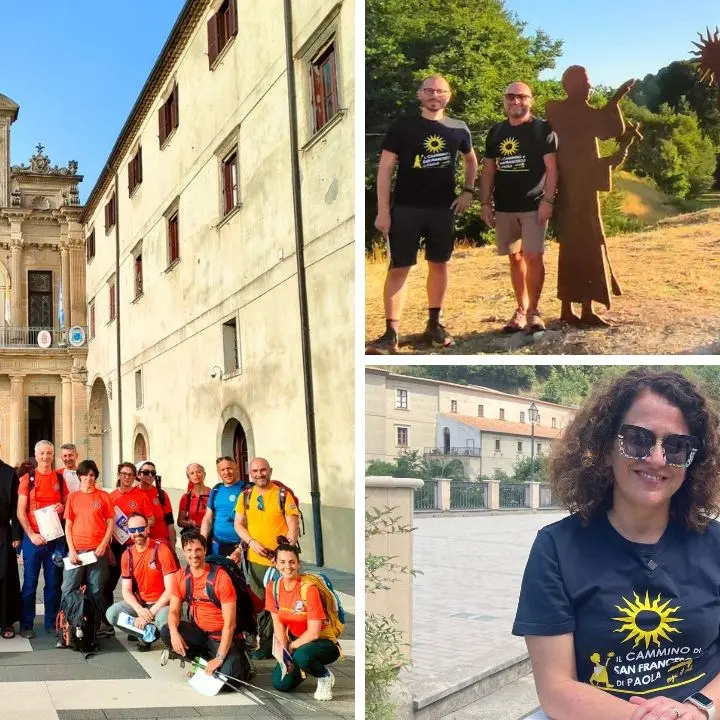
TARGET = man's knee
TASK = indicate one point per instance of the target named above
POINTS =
(112, 614)
(517, 258)
(535, 259)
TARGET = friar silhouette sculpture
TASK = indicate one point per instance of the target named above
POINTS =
(582, 272)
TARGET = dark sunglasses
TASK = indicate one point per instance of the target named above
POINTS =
(636, 443)
(517, 96)
(152, 473)
(132, 531)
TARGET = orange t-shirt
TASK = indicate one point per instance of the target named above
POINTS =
(293, 612)
(89, 513)
(46, 492)
(149, 575)
(160, 528)
(207, 615)
(135, 500)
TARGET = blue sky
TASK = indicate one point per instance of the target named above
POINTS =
(623, 38)
(76, 69)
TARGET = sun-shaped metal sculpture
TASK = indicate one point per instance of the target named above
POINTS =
(708, 56)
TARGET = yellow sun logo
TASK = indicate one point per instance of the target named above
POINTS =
(509, 146)
(646, 621)
(434, 144)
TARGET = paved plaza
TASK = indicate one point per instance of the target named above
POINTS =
(41, 682)
(465, 599)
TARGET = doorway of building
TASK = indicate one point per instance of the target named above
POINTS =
(41, 421)
(240, 452)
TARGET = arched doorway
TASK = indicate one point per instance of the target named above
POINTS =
(235, 443)
(100, 431)
(446, 441)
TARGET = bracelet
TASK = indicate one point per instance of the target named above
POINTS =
(549, 201)
(488, 204)
(470, 190)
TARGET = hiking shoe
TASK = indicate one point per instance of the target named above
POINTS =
(132, 637)
(386, 345)
(517, 322)
(535, 322)
(28, 634)
(105, 630)
(436, 334)
(143, 646)
(324, 687)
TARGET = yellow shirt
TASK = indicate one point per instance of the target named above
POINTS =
(265, 525)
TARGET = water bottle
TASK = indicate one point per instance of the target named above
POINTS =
(149, 634)
(79, 633)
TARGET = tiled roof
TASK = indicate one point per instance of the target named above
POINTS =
(506, 427)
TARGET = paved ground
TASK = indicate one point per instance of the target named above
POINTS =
(40, 682)
(466, 597)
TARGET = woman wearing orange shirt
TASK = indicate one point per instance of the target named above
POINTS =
(300, 627)
(89, 519)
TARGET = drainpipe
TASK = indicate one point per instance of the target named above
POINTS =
(302, 290)
(117, 315)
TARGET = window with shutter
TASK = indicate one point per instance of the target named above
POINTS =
(91, 313)
(230, 182)
(173, 239)
(168, 117)
(111, 289)
(221, 28)
(323, 78)
(135, 171)
(90, 245)
(212, 31)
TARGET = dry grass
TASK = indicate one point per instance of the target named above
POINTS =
(670, 278)
(642, 199)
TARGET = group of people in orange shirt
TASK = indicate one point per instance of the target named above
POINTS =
(131, 531)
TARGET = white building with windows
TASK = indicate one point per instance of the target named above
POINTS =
(487, 430)
(220, 264)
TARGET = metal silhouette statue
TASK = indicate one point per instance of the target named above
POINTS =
(582, 271)
(708, 57)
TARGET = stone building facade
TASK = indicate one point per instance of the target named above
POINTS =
(221, 265)
(43, 346)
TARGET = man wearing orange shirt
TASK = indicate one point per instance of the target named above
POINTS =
(164, 526)
(89, 519)
(260, 518)
(148, 568)
(210, 633)
(48, 489)
(128, 498)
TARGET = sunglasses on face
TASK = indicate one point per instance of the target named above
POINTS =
(132, 531)
(151, 473)
(517, 96)
(636, 443)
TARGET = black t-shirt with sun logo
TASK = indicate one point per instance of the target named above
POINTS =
(645, 618)
(519, 153)
(427, 156)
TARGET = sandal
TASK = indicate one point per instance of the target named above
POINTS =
(8, 634)
(516, 323)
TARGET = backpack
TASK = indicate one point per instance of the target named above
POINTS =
(61, 481)
(246, 605)
(188, 500)
(328, 596)
(284, 492)
(77, 623)
(154, 561)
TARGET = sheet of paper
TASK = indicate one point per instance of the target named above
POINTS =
(49, 523)
(205, 684)
(282, 656)
(86, 558)
(120, 533)
(72, 481)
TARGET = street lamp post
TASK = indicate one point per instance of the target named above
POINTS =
(534, 417)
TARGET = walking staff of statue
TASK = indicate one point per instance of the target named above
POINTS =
(582, 271)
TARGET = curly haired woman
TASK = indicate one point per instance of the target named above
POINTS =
(620, 601)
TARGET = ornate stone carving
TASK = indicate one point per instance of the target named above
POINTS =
(15, 197)
(40, 165)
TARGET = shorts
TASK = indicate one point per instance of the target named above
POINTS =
(408, 225)
(516, 231)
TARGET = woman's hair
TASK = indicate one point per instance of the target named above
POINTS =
(580, 467)
(26, 467)
(285, 545)
(86, 466)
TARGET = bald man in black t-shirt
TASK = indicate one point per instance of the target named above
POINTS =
(424, 206)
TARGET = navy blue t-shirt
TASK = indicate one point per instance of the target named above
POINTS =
(222, 502)
(645, 618)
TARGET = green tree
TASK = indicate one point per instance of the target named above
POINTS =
(567, 385)
(522, 468)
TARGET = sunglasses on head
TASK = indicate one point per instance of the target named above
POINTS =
(636, 443)
(152, 473)
(132, 531)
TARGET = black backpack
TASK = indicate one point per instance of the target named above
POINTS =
(245, 621)
(77, 623)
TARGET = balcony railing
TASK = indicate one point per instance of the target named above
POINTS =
(453, 451)
(27, 337)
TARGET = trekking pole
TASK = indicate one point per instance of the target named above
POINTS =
(226, 678)
(281, 713)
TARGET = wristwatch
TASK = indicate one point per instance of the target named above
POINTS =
(704, 703)
(470, 190)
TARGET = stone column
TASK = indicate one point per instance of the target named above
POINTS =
(444, 486)
(493, 495)
(16, 276)
(80, 417)
(532, 495)
(76, 293)
(4, 162)
(67, 406)
(17, 419)
(64, 279)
